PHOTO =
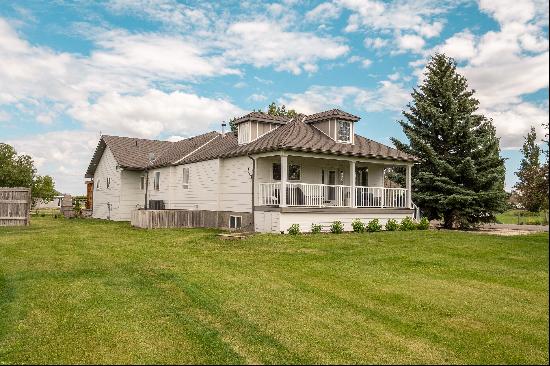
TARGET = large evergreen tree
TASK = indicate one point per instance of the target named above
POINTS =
(460, 175)
(532, 183)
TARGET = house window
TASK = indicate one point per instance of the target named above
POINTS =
(362, 177)
(185, 178)
(156, 181)
(344, 131)
(293, 172)
(142, 183)
(98, 185)
(244, 132)
(235, 222)
(276, 171)
(108, 183)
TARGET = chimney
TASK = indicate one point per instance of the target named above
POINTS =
(223, 128)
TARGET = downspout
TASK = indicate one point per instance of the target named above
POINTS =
(253, 175)
(146, 186)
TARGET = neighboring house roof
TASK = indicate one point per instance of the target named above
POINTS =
(295, 134)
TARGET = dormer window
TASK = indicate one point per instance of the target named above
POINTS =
(344, 131)
(244, 132)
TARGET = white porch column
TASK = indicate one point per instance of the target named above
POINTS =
(353, 202)
(408, 185)
(284, 174)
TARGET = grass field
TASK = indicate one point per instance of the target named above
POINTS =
(86, 291)
(523, 217)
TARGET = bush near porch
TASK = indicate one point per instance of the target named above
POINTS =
(90, 291)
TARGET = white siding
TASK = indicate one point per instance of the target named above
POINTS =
(164, 184)
(131, 196)
(305, 219)
(105, 197)
(202, 193)
(235, 184)
(266, 222)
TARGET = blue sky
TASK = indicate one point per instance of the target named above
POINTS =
(167, 69)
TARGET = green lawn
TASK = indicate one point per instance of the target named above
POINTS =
(523, 217)
(87, 291)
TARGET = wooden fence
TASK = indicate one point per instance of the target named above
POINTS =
(15, 206)
(154, 219)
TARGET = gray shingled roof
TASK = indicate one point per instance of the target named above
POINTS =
(262, 117)
(333, 113)
(179, 150)
(300, 136)
(129, 152)
(295, 135)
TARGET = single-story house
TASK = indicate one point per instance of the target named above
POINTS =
(275, 172)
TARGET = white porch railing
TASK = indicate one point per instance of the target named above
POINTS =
(308, 195)
(322, 195)
(269, 194)
(381, 197)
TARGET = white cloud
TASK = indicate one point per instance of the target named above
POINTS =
(169, 12)
(506, 65)
(388, 96)
(366, 63)
(257, 97)
(265, 44)
(155, 56)
(375, 43)
(461, 46)
(410, 42)
(153, 113)
(323, 12)
(64, 155)
(514, 121)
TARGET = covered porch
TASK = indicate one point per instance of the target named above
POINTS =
(310, 180)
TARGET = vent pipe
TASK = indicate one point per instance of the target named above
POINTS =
(223, 128)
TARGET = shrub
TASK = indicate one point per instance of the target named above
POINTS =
(407, 224)
(374, 226)
(424, 224)
(294, 229)
(316, 228)
(392, 225)
(337, 227)
(358, 226)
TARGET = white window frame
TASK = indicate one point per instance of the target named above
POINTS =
(350, 139)
(233, 219)
(185, 183)
(156, 181)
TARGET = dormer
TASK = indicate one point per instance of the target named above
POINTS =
(336, 124)
(256, 124)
